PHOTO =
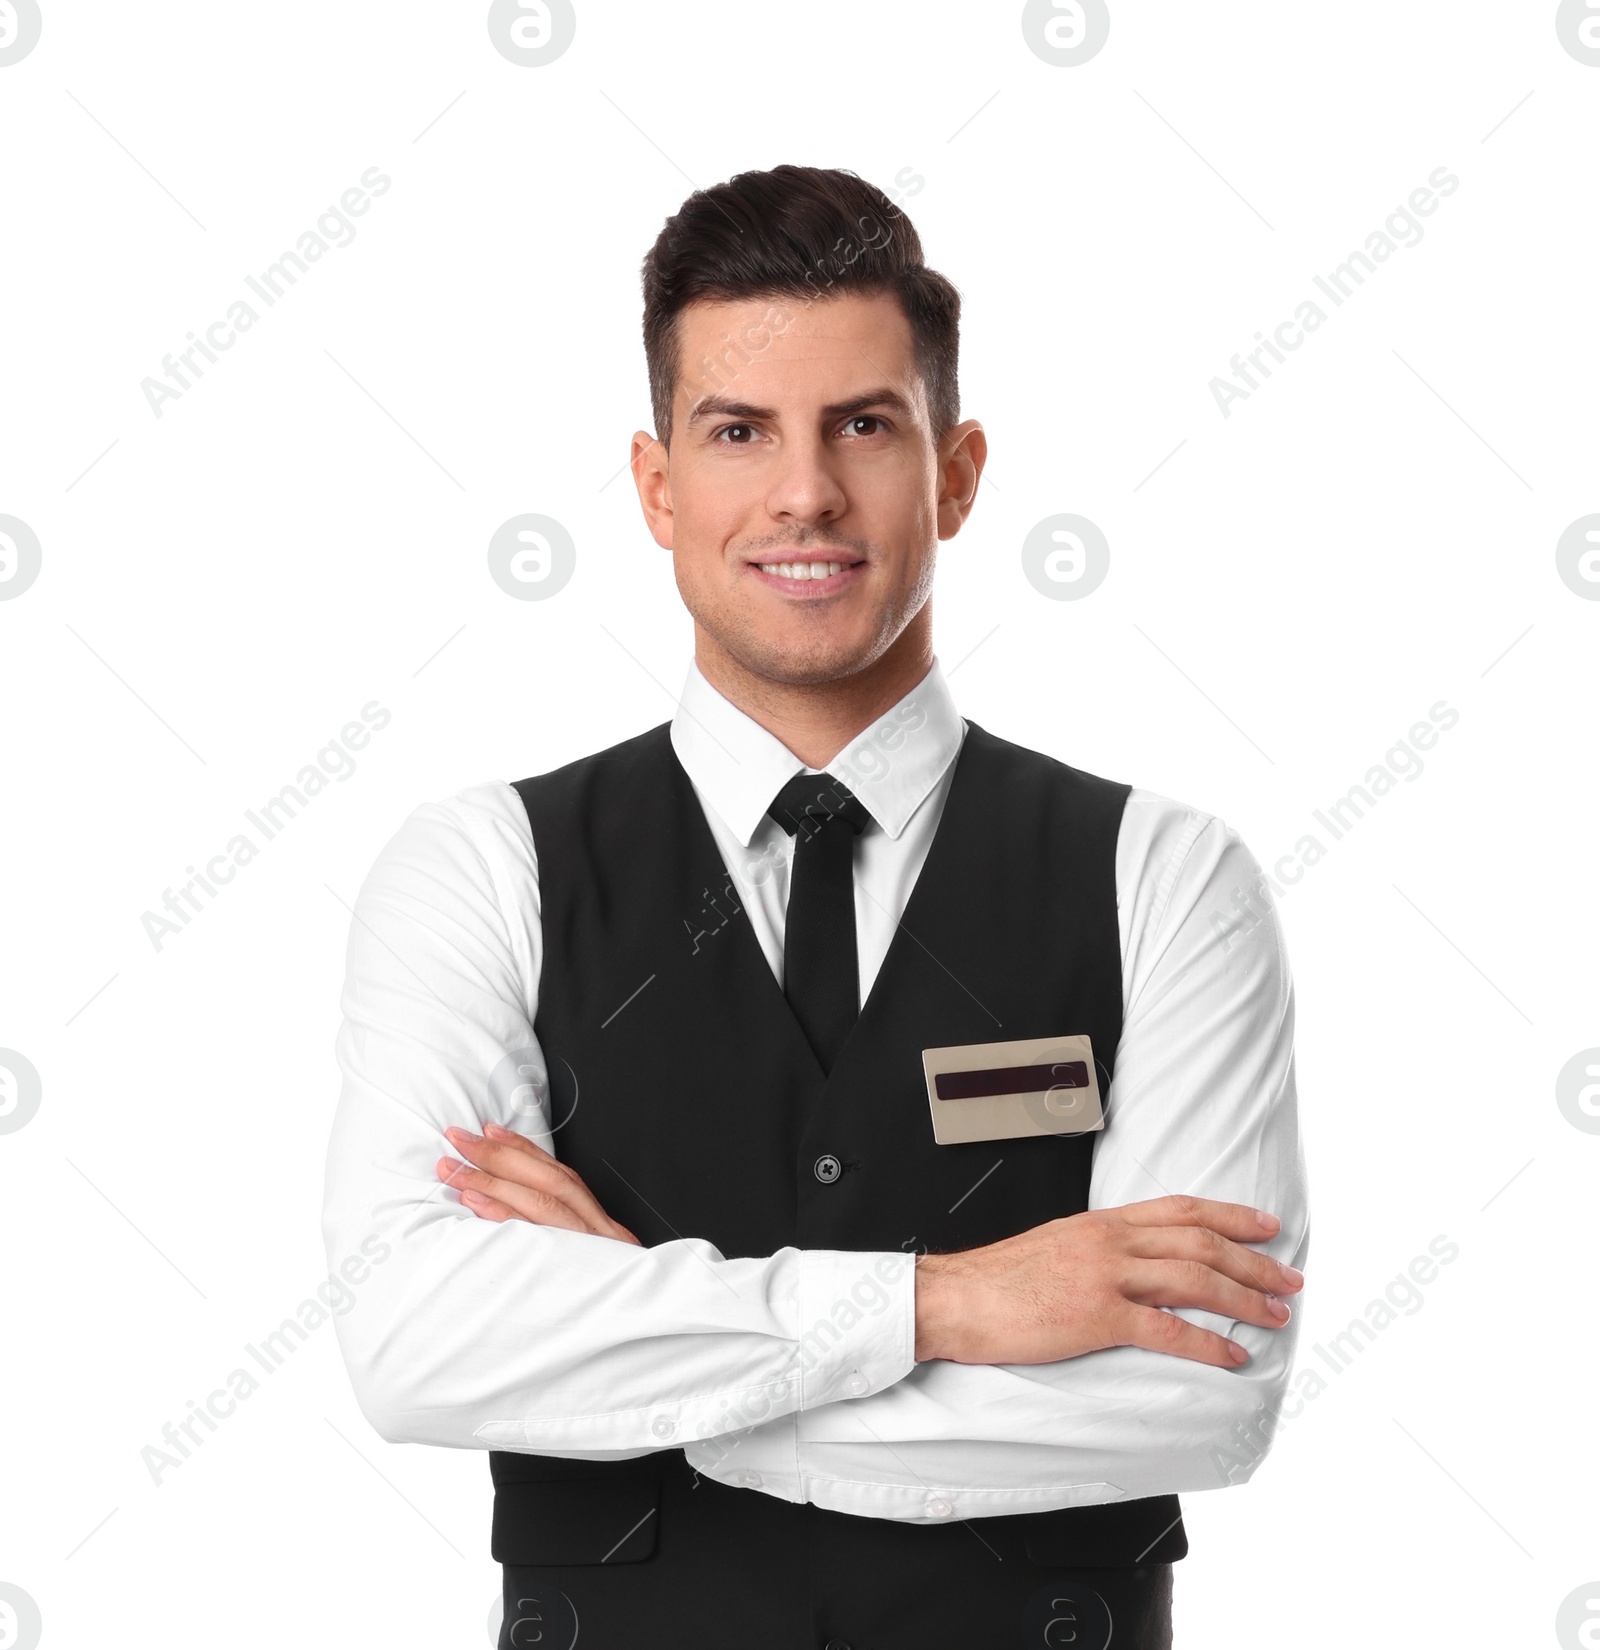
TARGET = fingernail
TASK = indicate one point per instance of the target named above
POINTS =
(473, 1197)
(1268, 1219)
(496, 1129)
(1296, 1278)
(458, 1135)
(1237, 1352)
(1278, 1308)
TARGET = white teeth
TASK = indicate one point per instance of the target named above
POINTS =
(801, 569)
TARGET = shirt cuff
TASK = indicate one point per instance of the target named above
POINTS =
(858, 1323)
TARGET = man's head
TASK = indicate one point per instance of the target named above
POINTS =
(803, 379)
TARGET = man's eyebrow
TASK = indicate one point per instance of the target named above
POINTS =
(723, 406)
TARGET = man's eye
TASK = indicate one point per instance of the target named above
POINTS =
(726, 428)
(865, 418)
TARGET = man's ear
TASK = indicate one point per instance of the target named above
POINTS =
(652, 476)
(963, 453)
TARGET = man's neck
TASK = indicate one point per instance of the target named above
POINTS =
(817, 720)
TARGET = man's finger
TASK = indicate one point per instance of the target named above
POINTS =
(498, 1134)
(1159, 1331)
(488, 1208)
(1191, 1283)
(491, 1208)
(510, 1137)
(550, 1202)
(1250, 1267)
(1234, 1220)
(503, 1136)
(539, 1207)
(535, 1169)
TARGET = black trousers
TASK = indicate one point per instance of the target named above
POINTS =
(709, 1567)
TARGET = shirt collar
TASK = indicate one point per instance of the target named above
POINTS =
(738, 766)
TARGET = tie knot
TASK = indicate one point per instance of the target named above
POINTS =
(816, 798)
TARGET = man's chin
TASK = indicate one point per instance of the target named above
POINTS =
(807, 668)
(799, 661)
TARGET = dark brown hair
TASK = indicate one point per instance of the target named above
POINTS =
(796, 232)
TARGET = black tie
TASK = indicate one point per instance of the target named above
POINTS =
(821, 976)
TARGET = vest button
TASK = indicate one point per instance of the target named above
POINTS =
(661, 1427)
(750, 1480)
(826, 1168)
(838, 1644)
(857, 1383)
(938, 1507)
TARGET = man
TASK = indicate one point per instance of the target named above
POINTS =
(822, 1144)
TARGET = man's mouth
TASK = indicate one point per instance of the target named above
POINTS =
(820, 570)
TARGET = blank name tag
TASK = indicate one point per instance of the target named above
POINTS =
(1002, 1091)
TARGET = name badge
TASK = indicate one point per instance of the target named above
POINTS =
(1004, 1091)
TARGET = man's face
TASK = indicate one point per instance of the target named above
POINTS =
(804, 497)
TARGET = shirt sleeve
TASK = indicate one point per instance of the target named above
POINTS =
(1203, 1102)
(476, 1334)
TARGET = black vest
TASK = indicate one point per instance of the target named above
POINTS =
(703, 1111)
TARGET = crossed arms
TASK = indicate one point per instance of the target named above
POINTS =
(1088, 1355)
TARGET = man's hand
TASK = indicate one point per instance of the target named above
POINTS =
(510, 1178)
(1098, 1279)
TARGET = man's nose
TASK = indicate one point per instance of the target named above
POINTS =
(806, 487)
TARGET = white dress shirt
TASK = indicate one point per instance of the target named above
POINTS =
(515, 1336)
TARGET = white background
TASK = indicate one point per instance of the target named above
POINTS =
(304, 531)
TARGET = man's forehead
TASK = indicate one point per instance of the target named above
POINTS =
(832, 350)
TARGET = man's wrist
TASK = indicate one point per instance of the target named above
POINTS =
(932, 1283)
